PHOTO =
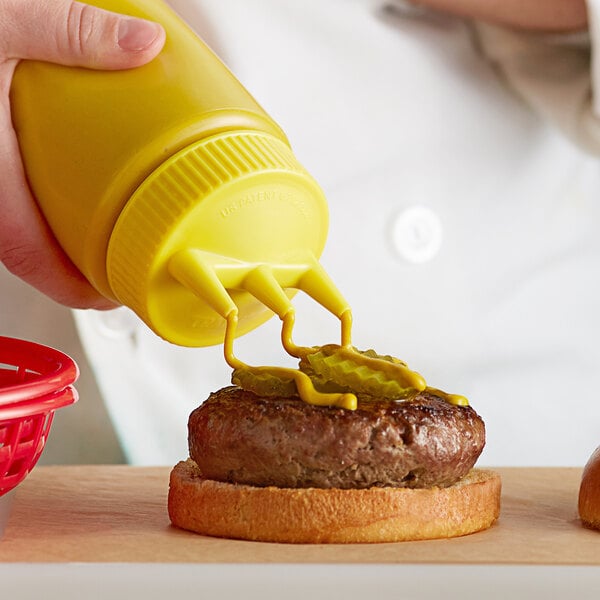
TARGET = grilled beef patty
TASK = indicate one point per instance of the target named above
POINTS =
(238, 437)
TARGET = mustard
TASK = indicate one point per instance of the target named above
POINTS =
(304, 384)
(374, 375)
(166, 182)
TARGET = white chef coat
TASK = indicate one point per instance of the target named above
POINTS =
(460, 165)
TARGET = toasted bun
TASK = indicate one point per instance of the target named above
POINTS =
(589, 492)
(313, 515)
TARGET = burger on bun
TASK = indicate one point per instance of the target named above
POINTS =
(265, 465)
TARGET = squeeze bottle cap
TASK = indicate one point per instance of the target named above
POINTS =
(184, 245)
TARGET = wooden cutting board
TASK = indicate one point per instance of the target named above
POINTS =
(118, 514)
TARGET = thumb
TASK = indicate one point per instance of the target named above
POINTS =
(77, 34)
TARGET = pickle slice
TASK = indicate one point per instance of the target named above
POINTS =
(279, 382)
(337, 371)
(362, 372)
(264, 382)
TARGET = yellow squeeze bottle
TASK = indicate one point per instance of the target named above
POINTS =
(171, 189)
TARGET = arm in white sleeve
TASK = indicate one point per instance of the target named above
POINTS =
(558, 75)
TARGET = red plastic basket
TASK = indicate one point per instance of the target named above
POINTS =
(35, 380)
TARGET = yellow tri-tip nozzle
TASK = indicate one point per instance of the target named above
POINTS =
(211, 230)
(215, 278)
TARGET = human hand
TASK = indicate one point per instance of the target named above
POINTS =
(68, 33)
(535, 15)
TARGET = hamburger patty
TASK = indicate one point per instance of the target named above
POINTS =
(238, 437)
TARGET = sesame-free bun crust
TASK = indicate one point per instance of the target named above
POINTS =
(314, 515)
(589, 492)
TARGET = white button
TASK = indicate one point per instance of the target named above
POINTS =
(417, 234)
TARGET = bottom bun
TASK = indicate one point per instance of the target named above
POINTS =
(315, 515)
(589, 492)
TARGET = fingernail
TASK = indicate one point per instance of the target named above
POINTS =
(136, 34)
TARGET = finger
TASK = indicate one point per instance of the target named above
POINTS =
(77, 34)
(536, 15)
(27, 246)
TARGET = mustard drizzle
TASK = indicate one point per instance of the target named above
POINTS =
(304, 384)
